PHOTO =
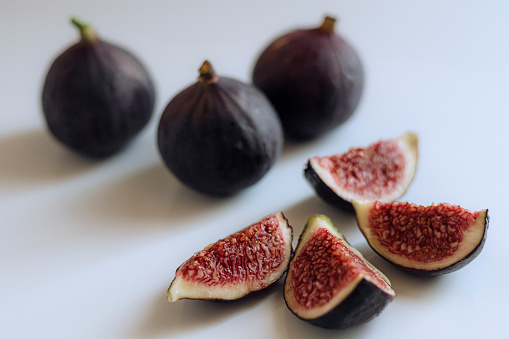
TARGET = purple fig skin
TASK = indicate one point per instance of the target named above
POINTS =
(219, 135)
(365, 303)
(325, 192)
(96, 96)
(313, 78)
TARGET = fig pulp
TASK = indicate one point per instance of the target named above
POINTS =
(329, 283)
(97, 96)
(244, 262)
(219, 135)
(426, 240)
(382, 171)
(313, 77)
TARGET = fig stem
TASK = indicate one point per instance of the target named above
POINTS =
(328, 24)
(88, 34)
(207, 73)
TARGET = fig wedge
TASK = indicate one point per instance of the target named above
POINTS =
(382, 171)
(244, 262)
(329, 283)
(425, 240)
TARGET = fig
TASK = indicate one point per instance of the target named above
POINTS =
(382, 171)
(425, 240)
(97, 96)
(313, 77)
(219, 135)
(329, 283)
(244, 262)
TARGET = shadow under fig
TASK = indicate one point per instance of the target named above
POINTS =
(32, 159)
(405, 284)
(185, 316)
(148, 195)
(292, 147)
(300, 329)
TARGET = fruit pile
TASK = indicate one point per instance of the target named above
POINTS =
(219, 136)
(329, 283)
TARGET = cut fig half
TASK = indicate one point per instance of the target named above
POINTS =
(382, 171)
(329, 283)
(426, 240)
(244, 262)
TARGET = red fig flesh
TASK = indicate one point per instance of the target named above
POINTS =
(427, 240)
(244, 262)
(329, 283)
(382, 171)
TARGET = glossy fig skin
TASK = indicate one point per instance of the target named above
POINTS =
(365, 303)
(324, 191)
(350, 305)
(314, 79)
(96, 97)
(219, 135)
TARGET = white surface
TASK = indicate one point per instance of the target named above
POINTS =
(87, 249)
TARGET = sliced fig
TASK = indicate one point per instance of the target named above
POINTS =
(329, 283)
(426, 240)
(244, 262)
(382, 171)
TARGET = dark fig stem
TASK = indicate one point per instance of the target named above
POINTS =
(207, 73)
(328, 24)
(88, 34)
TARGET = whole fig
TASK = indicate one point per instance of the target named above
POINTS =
(97, 96)
(314, 79)
(219, 135)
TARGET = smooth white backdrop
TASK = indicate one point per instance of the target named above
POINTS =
(87, 249)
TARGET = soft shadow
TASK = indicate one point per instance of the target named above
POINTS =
(406, 285)
(409, 286)
(292, 146)
(287, 325)
(151, 194)
(32, 159)
(298, 328)
(185, 316)
(163, 317)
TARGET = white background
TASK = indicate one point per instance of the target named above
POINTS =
(88, 249)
